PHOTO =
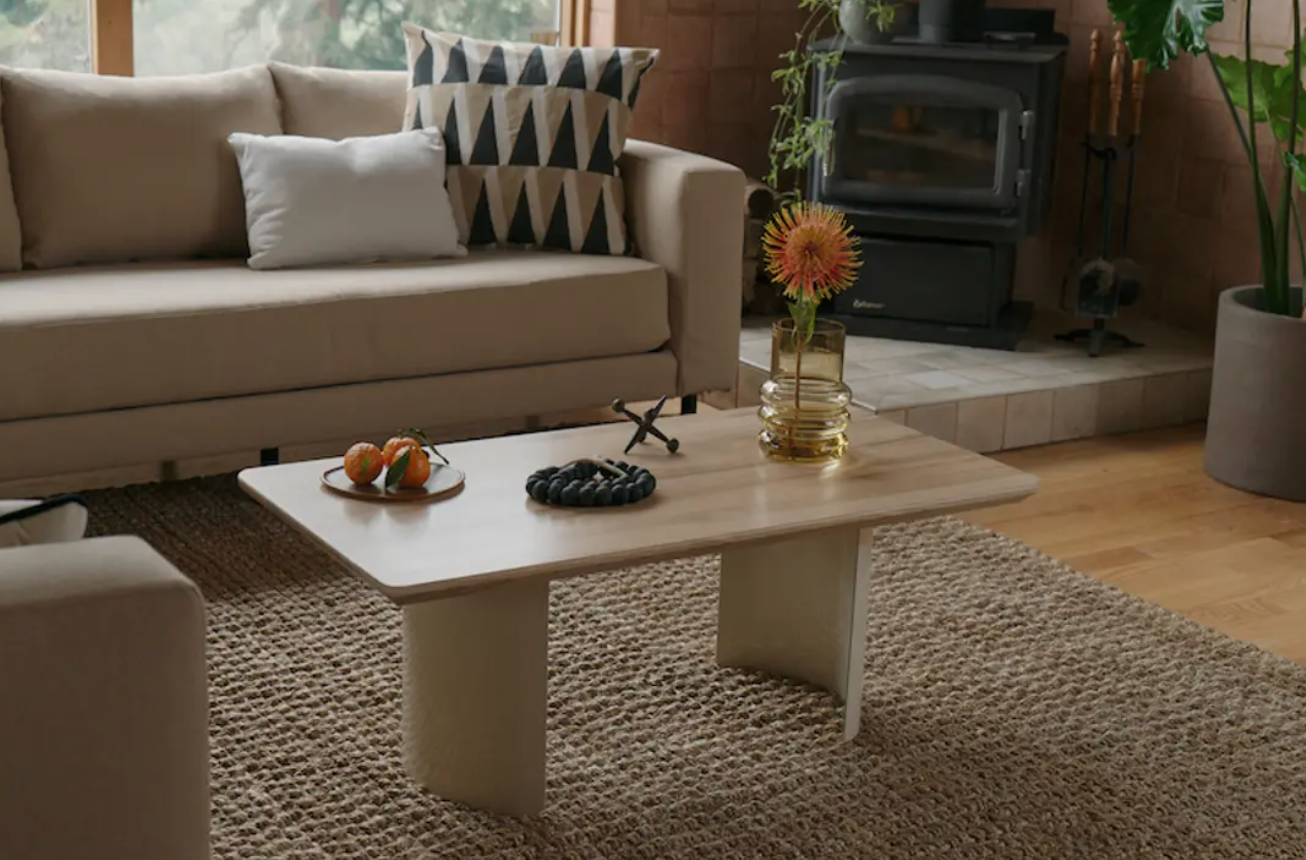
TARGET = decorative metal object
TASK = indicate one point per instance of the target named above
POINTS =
(1097, 288)
(645, 423)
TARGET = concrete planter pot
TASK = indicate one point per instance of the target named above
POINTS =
(856, 23)
(1256, 429)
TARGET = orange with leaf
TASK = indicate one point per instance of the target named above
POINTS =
(410, 470)
(404, 460)
(396, 444)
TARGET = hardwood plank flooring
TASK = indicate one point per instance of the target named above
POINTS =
(1137, 511)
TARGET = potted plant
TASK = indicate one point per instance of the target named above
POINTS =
(798, 136)
(871, 21)
(810, 251)
(1257, 418)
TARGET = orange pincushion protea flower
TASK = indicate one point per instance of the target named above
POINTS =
(809, 249)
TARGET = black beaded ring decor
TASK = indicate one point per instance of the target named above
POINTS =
(591, 483)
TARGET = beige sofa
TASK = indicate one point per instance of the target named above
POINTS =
(131, 330)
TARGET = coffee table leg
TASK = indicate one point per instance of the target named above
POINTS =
(797, 607)
(475, 684)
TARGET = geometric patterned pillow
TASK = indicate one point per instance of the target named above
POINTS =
(57, 519)
(533, 134)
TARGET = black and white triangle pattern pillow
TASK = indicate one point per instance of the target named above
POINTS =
(54, 520)
(533, 134)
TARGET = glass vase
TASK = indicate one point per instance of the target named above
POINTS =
(804, 408)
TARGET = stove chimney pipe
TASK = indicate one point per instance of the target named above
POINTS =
(945, 21)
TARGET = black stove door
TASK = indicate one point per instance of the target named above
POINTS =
(922, 140)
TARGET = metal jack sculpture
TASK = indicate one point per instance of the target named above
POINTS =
(645, 423)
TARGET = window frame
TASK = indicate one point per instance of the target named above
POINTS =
(113, 40)
(113, 43)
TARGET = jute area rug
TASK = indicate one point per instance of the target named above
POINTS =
(1013, 709)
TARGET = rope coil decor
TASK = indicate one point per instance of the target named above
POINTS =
(591, 482)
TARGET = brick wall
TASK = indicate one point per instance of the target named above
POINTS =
(1194, 229)
(711, 91)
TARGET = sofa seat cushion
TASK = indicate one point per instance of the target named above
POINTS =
(146, 334)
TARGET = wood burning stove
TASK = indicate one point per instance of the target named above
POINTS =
(942, 159)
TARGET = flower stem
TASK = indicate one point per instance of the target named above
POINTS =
(798, 385)
(798, 371)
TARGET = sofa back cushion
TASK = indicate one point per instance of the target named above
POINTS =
(11, 237)
(110, 169)
(336, 104)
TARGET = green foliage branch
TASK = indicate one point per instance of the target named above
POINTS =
(1270, 94)
(798, 136)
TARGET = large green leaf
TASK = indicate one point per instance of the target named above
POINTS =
(1296, 163)
(395, 473)
(1272, 91)
(1158, 30)
(1233, 71)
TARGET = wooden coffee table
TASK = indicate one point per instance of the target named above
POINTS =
(472, 573)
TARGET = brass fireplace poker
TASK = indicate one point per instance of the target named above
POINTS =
(1099, 287)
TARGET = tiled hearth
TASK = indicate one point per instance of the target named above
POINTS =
(993, 400)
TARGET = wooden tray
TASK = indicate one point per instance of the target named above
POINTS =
(445, 481)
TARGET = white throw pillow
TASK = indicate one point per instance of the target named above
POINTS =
(311, 201)
(26, 522)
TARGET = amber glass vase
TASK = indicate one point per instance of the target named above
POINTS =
(805, 402)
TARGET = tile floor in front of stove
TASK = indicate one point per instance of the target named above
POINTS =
(992, 400)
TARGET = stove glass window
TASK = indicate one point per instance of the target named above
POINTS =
(917, 143)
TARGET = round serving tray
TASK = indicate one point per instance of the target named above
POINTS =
(445, 481)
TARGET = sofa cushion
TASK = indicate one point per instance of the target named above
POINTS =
(317, 102)
(534, 134)
(25, 522)
(132, 335)
(110, 169)
(11, 237)
(315, 202)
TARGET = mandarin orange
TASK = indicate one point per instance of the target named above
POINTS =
(395, 444)
(363, 462)
(419, 467)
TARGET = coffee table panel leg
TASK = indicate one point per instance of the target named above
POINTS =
(475, 685)
(797, 608)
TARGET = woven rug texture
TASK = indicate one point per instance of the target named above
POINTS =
(1013, 709)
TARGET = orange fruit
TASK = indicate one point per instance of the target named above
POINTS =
(419, 467)
(363, 462)
(393, 447)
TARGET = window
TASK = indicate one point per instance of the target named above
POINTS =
(186, 36)
(46, 34)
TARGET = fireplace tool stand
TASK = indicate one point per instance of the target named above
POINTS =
(1099, 287)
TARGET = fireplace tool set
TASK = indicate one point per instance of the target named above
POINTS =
(1098, 287)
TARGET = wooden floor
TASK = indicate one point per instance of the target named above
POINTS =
(1137, 511)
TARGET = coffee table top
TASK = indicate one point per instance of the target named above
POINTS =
(718, 491)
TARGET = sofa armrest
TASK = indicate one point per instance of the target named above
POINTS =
(686, 214)
(104, 721)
